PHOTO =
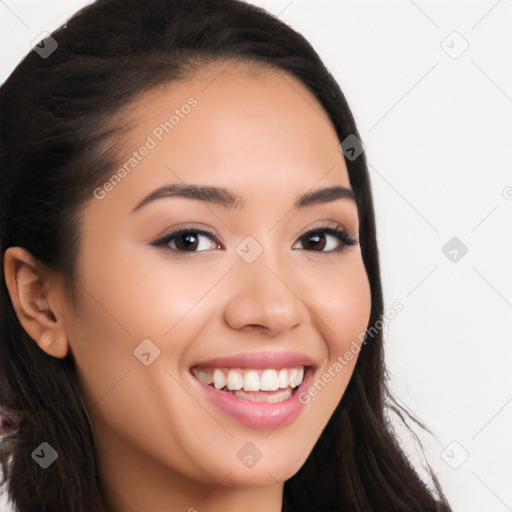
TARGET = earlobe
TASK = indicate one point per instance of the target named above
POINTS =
(36, 295)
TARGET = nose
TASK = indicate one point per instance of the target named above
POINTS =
(262, 297)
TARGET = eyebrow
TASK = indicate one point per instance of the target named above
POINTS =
(230, 200)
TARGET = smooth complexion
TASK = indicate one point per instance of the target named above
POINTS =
(161, 443)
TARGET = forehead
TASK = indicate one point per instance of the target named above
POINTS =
(238, 123)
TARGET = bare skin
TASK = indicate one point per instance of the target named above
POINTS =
(161, 445)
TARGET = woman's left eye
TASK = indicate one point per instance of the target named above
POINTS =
(327, 240)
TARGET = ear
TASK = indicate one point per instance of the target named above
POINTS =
(37, 295)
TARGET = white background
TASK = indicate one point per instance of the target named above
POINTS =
(438, 131)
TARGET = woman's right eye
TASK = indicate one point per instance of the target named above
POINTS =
(188, 240)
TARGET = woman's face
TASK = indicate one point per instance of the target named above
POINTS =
(242, 294)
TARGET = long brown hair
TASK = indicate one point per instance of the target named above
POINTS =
(55, 111)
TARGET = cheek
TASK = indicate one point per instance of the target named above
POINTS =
(159, 292)
(124, 297)
(343, 304)
(145, 293)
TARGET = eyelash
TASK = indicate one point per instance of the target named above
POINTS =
(345, 239)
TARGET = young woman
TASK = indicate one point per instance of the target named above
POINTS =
(192, 307)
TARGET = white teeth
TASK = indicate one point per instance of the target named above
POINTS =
(219, 381)
(235, 380)
(283, 378)
(251, 381)
(264, 397)
(203, 377)
(300, 376)
(268, 381)
(292, 376)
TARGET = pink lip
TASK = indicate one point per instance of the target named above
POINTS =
(259, 360)
(257, 415)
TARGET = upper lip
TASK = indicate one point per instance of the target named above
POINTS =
(258, 360)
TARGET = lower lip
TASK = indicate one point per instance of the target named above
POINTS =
(257, 415)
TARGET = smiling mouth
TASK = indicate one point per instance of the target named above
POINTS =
(257, 385)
